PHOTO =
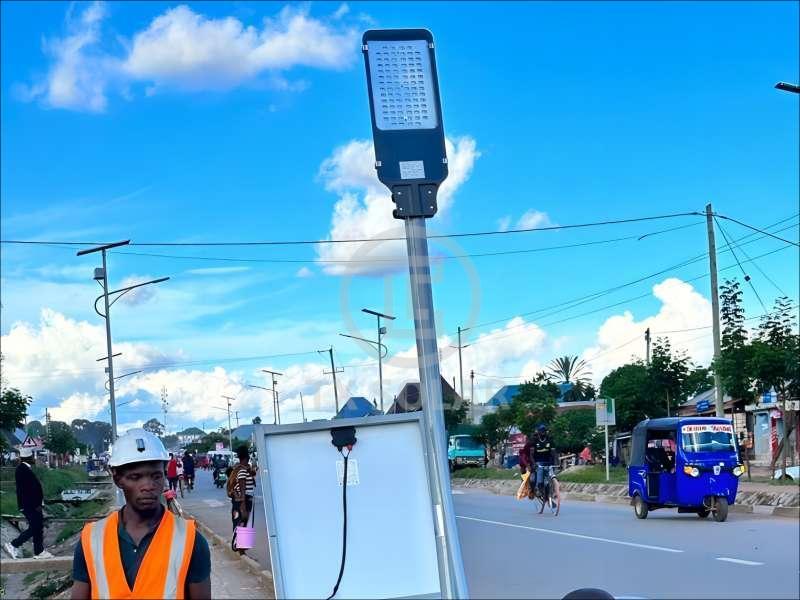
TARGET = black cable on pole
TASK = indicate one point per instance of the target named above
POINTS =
(746, 276)
(757, 229)
(385, 239)
(756, 265)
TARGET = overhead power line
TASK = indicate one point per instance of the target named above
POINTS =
(757, 229)
(382, 239)
(747, 277)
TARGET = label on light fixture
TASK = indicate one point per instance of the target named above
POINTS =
(352, 471)
(412, 169)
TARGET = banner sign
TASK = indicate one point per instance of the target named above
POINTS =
(709, 427)
(605, 412)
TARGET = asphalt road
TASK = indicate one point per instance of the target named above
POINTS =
(512, 552)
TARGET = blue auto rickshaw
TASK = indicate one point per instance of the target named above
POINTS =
(688, 463)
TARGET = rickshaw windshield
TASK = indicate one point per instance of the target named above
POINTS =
(707, 438)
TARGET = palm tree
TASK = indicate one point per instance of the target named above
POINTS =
(571, 369)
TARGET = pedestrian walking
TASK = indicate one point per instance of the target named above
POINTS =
(241, 489)
(30, 498)
(188, 469)
(141, 550)
(172, 472)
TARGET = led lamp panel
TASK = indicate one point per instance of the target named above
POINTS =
(402, 85)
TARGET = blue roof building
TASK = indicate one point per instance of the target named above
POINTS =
(357, 406)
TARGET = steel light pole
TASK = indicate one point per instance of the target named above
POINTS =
(381, 331)
(261, 387)
(383, 352)
(411, 160)
(230, 433)
(101, 276)
(275, 404)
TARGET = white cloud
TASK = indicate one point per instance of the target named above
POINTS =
(364, 208)
(182, 49)
(533, 218)
(78, 76)
(621, 337)
(529, 220)
(304, 272)
(78, 406)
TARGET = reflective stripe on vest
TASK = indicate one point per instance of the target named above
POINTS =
(162, 571)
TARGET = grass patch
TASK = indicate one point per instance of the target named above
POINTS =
(31, 577)
(82, 511)
(595, 474)
(52, 586)
(54, 481)
(485, 473)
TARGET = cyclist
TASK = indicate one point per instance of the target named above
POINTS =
(542, 455)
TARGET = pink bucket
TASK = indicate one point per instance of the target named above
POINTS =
(245, 537)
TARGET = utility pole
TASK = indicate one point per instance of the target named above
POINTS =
(303, 408)
(101, 276)
(472, 395)
(237, 419)
(712, 265)
(333, 372)
(381, 332)
(647, 341)
(164, 406)
(230, 433)
(460, 369)
(276, 409)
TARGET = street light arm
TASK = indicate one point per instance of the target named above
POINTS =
(373, 342)
(138, 285)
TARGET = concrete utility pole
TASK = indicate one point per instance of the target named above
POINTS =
(230, 433)
(237, 419)
(303, 408)
(164, 406)
(275, 406)
(333, 372)
(472, 395)
(647, 341)
(460, 368)
(712, 265)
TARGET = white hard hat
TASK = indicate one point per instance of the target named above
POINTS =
(25, 452)
(137, 445)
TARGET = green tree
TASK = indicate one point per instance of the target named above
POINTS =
(494, 428)
(573, 430)
(734, 362)
(775, 363)
(668, 372)
(698, 380)
(60, 438)
(535, 403)
(13, 408)
(256, 420)
(571, 369)
(36, 429)
(629, 386)
(154, 427)
(455, 409)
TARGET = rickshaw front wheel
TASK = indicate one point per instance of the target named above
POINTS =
(720, 509)
(703, 513)
(640, 507)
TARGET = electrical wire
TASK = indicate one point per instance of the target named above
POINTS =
(747, 277)
(385, 239)
(346, 458)
(755, 264)
(566, 305)
(757, 229)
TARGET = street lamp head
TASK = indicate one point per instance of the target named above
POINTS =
(788, 87)
(377, 314)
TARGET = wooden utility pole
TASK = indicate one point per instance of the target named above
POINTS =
(647, 341)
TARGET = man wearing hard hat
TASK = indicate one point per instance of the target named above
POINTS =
(142, 550)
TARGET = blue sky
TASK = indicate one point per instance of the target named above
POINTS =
(241, 121)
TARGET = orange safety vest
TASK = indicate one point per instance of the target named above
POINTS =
(162, 573)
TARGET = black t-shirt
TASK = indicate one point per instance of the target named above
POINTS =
(542, 450)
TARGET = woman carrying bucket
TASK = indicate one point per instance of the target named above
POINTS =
(241, 489)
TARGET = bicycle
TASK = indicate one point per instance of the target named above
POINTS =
(549, 494)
